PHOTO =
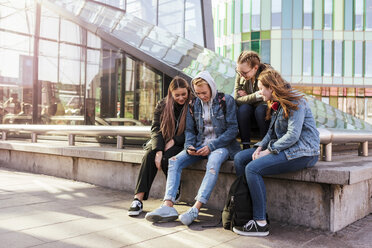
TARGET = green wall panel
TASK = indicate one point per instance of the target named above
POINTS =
(338, 15)
(265, 14)
(297, 58)
(348, 59)
(318, 14)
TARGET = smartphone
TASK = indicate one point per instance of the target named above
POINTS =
(191, 149)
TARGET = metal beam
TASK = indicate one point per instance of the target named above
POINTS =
(207, 18)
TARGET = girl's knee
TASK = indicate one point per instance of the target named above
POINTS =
(250, 170)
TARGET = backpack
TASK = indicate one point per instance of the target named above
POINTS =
(238, 208)
(221, 101)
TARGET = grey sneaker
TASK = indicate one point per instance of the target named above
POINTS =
(162, 214)
(188, 217)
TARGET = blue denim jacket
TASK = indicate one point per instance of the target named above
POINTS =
(226, 129)
(297, 136)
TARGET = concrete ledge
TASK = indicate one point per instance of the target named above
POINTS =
(329, 196)
(347, 172)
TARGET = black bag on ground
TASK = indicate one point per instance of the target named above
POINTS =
(238, 208)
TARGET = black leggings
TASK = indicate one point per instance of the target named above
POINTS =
(148, 169)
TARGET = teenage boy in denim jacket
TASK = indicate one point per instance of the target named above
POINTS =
(210, 134)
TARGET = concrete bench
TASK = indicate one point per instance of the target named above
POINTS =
(328, 136)
(329, 196)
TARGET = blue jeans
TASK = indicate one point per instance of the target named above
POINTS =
(246, 116)
(182, 160)
(268, 165)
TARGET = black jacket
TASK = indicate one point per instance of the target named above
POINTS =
(157, 140)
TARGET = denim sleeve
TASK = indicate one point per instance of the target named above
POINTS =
(232, 126)
(190, 135)
(295, 123)
(265, 141)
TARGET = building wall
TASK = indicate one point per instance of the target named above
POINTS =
(322, 46)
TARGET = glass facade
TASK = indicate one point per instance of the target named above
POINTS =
(82, 79)
(86, 62)
(313, 43)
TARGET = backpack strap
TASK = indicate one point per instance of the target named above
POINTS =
(222, 102)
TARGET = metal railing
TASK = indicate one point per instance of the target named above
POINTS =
(328, 136)
(80, 130)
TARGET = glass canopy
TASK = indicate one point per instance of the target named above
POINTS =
(172, 54)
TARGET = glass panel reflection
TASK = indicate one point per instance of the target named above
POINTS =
(107, 65)
(276, 14)
(328, 14)
(358, 14)
(308, 14)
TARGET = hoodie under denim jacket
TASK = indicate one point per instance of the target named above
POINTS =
(297, 136)
(225, 127)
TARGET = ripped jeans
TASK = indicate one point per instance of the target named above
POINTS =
(182, 160)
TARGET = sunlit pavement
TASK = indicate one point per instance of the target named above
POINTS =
(43, 211)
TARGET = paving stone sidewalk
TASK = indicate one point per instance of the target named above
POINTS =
(42, 211)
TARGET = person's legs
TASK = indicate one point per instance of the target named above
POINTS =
(145, 179)
(267, 165)
(175, 167)
(270, 165)
(167, 212)
(146, 175)
(241, 160)
(260, 114)
(173, 151)
(215, 159)
(244, 116)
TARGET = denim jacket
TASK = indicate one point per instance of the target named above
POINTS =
(297, 136)
(225, 127)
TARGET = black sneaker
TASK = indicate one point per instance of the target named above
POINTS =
(136, 208)
(252, 229)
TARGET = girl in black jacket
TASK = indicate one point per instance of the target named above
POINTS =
(167, 139)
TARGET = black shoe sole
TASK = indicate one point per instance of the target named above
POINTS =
(257, 234)
(158, 218)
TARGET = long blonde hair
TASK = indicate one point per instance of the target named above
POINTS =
(282, 92)
(167, 123)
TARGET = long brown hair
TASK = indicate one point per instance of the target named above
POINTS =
(167, 124)
(282, 92)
